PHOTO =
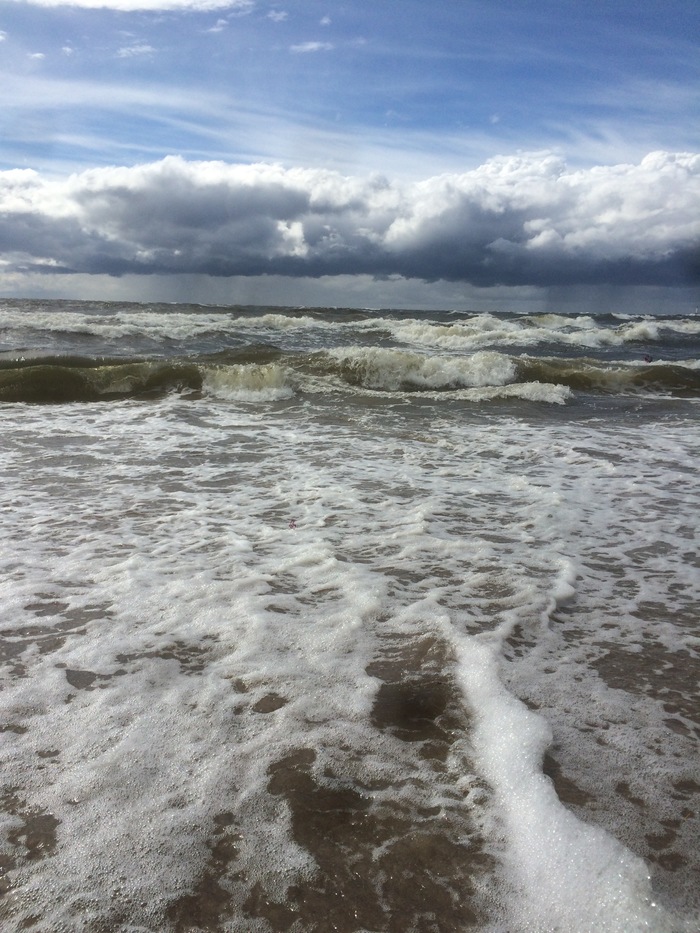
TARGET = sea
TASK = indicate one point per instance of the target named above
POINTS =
(369, 621)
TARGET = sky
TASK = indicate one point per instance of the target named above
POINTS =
(472, 154)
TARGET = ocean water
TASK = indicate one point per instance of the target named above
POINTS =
(359, 621)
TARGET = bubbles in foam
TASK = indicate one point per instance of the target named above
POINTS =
(380, 368)
(268, 663)
(571, 876)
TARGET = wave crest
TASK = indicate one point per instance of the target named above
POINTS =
(249, 382)
(393, 370)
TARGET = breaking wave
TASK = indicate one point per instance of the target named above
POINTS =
(583, 332)
(392, 370)
(263, 374)
(249, 382)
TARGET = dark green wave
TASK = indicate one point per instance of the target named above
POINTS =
(587, 376)
(83, 379)
(55, 383)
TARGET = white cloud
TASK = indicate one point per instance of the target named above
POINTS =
(36, 55)
(133, 51)
(526, 220)
(277, 16)
(3, 36)
(304, 47)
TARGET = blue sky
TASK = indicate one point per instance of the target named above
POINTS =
(425, 126)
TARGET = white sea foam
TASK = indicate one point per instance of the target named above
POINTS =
(383, 368)
(473, 333)
(548, 393)
(287, 322)
(196, 589)
(532, 331)
(536, 392)
(568, 875)
(127, 323)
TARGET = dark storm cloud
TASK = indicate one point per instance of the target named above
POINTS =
(524, 220)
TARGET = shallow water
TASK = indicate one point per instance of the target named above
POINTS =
(350, 643)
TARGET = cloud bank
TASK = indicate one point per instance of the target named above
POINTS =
(522, 220)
